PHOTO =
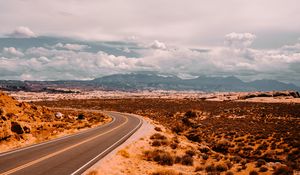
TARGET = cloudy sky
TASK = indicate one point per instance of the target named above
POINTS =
(73, 39)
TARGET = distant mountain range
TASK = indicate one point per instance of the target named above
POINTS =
(133, 82)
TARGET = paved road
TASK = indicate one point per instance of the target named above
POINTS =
(71, 154)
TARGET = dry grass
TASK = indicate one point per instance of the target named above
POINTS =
(22, 124)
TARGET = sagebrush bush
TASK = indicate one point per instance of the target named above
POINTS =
(177, 159)
(165, 172)
(160, 156)
(174, 145)
(260, 162)
(178, 128)
(157, 129)
(156, 143)
(205, 156)
(158, 136)
(210, 168)
(283, 170)
(190, 152)
(263, 169)
(204, 150)
(229, 173)
(221, 168)
(187, 160)
(253, 172)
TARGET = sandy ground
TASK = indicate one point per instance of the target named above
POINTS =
(272, 100)
(213, 96)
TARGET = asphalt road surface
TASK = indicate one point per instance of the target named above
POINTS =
(71, 154)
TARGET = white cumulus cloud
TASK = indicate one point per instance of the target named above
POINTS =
(22, 32)
(158, 45)
(71, 46)
(239, 40)
(11, 51)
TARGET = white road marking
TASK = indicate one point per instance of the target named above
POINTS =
(107, 149)
(55, 140)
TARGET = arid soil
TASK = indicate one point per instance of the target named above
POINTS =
(22, 124)
(241, 137)
(266, 97)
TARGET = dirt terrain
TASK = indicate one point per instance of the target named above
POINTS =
(240, 137)
(23, 124)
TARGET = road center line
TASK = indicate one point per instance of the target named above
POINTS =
(107, 149)
(60, 151)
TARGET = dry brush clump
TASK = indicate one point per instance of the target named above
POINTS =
(160, 156)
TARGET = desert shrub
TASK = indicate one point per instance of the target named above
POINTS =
(221, 168)
(190, 114)
(173, 145)
(263, 146)
(283, 170)
(178, 128)
(165, 172)
(263, 169)
(156, 143)
(190, 152)
(243, 162)
(260, 162)
(80, 116)
(273, 146)
(159, 156)
(193, 137)
(253, 172)
(210, 168)
(187, 160)
(241, 144)
(244, 167)
(10, 115)
(205, 156)
(236, 159)
(221, 147)
(251, 143)
(257, 152)
(204, 149)
(166, 159)
(229, 173)
(158, 136)
(229, 164)
(148, 155)
(3, 118)
(293, 155)
(17, 128)
(177, 159)
(157, 129)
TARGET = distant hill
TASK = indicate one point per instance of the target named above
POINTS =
(132, 82)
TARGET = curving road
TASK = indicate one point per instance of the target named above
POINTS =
(71, 154)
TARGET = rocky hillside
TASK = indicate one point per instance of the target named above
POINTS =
(134, 82)
(22, 124)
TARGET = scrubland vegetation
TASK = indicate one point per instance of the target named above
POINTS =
(227, 137)
(23, 124)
